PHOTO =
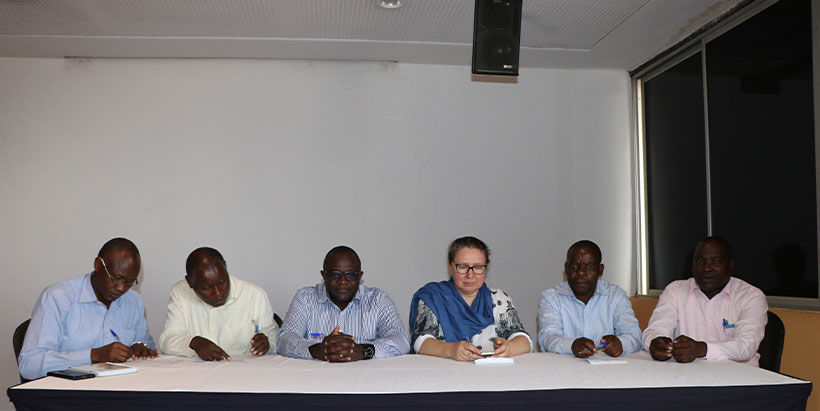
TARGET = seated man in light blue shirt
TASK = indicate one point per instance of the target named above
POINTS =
(586, 314)
(89, 319)
(341, 320)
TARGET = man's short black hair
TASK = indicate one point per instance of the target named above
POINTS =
(116, 246)
(341, 249)
(201, 257)
(588, 245)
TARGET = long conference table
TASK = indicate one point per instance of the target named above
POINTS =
(535, 380)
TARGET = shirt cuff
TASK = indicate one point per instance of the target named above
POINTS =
(420, 341)
(81, 357)
(713, 352)
(187, 347)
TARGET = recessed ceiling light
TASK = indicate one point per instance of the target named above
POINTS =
(390, 4)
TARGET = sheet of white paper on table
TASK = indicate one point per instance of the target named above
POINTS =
(494, 361)
(604, 359)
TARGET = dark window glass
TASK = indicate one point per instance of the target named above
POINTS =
(676, 169)
(761, 136)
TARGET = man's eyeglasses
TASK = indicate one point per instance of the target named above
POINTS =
(118, 280)
(478, 269)
(337, 275)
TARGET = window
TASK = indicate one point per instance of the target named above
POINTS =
(728, 149)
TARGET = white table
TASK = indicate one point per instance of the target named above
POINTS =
(535, 380)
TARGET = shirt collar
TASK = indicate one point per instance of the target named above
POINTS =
(87, 294)
(563, 288)
(600, 288)
(694, 289)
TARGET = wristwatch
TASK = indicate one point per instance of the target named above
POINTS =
(368, 350)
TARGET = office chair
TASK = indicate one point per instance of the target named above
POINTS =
(277, 319)
(771, 347)
(17, 342)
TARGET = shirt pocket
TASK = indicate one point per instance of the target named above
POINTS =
(236, 330)
(126, 336)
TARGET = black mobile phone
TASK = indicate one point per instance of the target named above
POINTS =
(70, 374)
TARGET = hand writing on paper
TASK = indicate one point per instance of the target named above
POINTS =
(207, 350)
(114, 352)
(260, 344)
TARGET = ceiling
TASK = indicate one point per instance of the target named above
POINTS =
(594, 34)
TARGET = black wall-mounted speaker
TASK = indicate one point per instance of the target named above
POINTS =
(496, 37)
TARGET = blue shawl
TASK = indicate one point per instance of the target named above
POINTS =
(458, 320)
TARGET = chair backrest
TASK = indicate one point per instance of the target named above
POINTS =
(771, 347)
(277, 319)
(17, 342)
(19, 336)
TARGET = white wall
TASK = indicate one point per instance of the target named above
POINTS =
(274, 162)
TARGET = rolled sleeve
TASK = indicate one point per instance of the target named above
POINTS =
(41, 348)
(393, 337)
(664, 319)
(291, 341)
(175, 339)
(551, 334)
(626, 325)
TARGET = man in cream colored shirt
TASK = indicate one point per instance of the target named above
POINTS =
(214, 315)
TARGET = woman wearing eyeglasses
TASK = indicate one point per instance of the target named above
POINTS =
(462, 318)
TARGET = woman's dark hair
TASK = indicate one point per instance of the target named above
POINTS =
(467, 242)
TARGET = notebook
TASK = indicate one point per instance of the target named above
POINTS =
(106, 369)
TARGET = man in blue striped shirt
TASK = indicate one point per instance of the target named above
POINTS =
(341, 320)
(586, 314)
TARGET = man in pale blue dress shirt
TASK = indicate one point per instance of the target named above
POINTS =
(341, 320)
(586, 314)
(89, 319)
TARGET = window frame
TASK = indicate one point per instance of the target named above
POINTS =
(658, 65)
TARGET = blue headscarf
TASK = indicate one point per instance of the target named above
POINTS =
(458, 320)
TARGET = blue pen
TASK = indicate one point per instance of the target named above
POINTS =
(256, 330)
(117, 337)
(600, 347)
(727, 325)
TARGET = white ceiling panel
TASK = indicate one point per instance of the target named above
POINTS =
(554, 33)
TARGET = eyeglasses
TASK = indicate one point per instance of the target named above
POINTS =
(478, 269)
(337, 275)
(118, 280)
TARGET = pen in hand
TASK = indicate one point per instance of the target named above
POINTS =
(116, 337)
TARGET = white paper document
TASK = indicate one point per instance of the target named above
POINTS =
(495, 361)
(106, 369)
(603, 359)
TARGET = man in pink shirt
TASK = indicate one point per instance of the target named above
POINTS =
(711, 315)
